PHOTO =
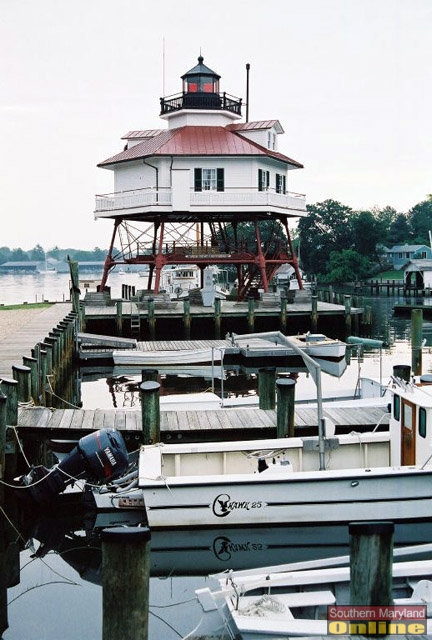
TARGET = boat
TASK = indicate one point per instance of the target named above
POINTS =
(309, 599)
(276, 344)
(310, 480)
(159, 357)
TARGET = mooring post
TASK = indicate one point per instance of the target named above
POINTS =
(371, 558)
(267, 387)
(416, 341)
(251, 314)
(314, 314)
(186, 319)
(3, 423)
(54, 350)
(21, 374)
(285, 407)
(125, 583)
(217, 318)
(9, 387)
(150, 411)
(283, 312)
(119, 317)
(31, 363)
(149, 375)
(348, 316)
(3, 575)
(43, 376)
(151, 318)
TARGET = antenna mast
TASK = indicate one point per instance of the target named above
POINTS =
(247, 91)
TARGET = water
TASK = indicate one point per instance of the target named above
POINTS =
(59, 595)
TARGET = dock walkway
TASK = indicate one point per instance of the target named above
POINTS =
(32, 328)
(230, 423)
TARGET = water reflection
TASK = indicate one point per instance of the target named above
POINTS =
(53, 578)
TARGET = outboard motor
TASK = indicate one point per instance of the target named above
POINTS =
(100, 456)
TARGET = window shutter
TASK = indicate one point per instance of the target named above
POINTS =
(220, 180)
(278, 185)
(267, 179)
(283, 184)
(198, 180)
(260, 179)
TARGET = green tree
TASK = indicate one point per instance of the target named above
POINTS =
(18, 255)
(326, 228)
(37, 253)
(367, 234)
(347, 266)
(420, 221)
(4, 254)
(399, 231)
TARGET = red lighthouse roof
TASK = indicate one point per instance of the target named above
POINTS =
(195, 141)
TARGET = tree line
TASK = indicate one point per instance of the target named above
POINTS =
(38, 254)
(334, 243)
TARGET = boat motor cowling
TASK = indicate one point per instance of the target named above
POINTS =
(100, 456)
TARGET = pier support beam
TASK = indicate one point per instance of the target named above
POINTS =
(285, 407)
(186, 319)
(314, 314)
(371, 558)
(150, 411)
(125, 582)
(416, 341)
(266, 387)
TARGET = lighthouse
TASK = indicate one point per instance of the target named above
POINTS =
(207, 189)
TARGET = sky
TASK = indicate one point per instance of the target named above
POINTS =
(349, 80)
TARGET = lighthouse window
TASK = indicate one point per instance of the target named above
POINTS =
(280, 183)
(209, 180)
(263, 180)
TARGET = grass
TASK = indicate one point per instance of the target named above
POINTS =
(391, 274)
(36, 305)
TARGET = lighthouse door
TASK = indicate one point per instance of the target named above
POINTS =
(408, 433)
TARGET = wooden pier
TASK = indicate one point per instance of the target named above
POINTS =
(21, 339)
(243, 423)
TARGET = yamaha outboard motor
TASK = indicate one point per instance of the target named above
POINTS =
(100, 456)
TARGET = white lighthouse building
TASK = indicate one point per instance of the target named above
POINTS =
(207, 189)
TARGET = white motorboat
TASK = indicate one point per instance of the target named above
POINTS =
(293, 480)
(276, 344)
(298, 600)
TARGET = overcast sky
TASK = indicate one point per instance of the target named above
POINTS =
(349, 80)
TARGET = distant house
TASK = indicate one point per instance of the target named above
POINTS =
(400, 254)
(13, 266)
(418, 274)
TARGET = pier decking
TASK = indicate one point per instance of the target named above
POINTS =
(229, 424)
(21, 338)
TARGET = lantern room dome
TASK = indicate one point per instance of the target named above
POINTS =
(201, 94)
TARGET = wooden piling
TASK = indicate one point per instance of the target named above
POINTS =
(348, 316)
(3, 423)
(285, 407)
(371, 558)
(149, 375)
(186, 319)
(251, 314)
(267, 387)
(150, 412)
(32, 363)
(151, 318)
(416, 341)
(119, 317)
(283, 312)
(125, 583)
(314, 314)
(9, 387)
(21, 374)
(217, 318)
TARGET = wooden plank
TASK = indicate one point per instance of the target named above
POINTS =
(66, 419)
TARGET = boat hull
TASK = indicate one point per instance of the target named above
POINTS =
(174, 357)
(402, 495)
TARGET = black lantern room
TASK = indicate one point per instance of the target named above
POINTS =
(201, 88)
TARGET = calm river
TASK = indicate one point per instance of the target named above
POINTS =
(58, 594)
